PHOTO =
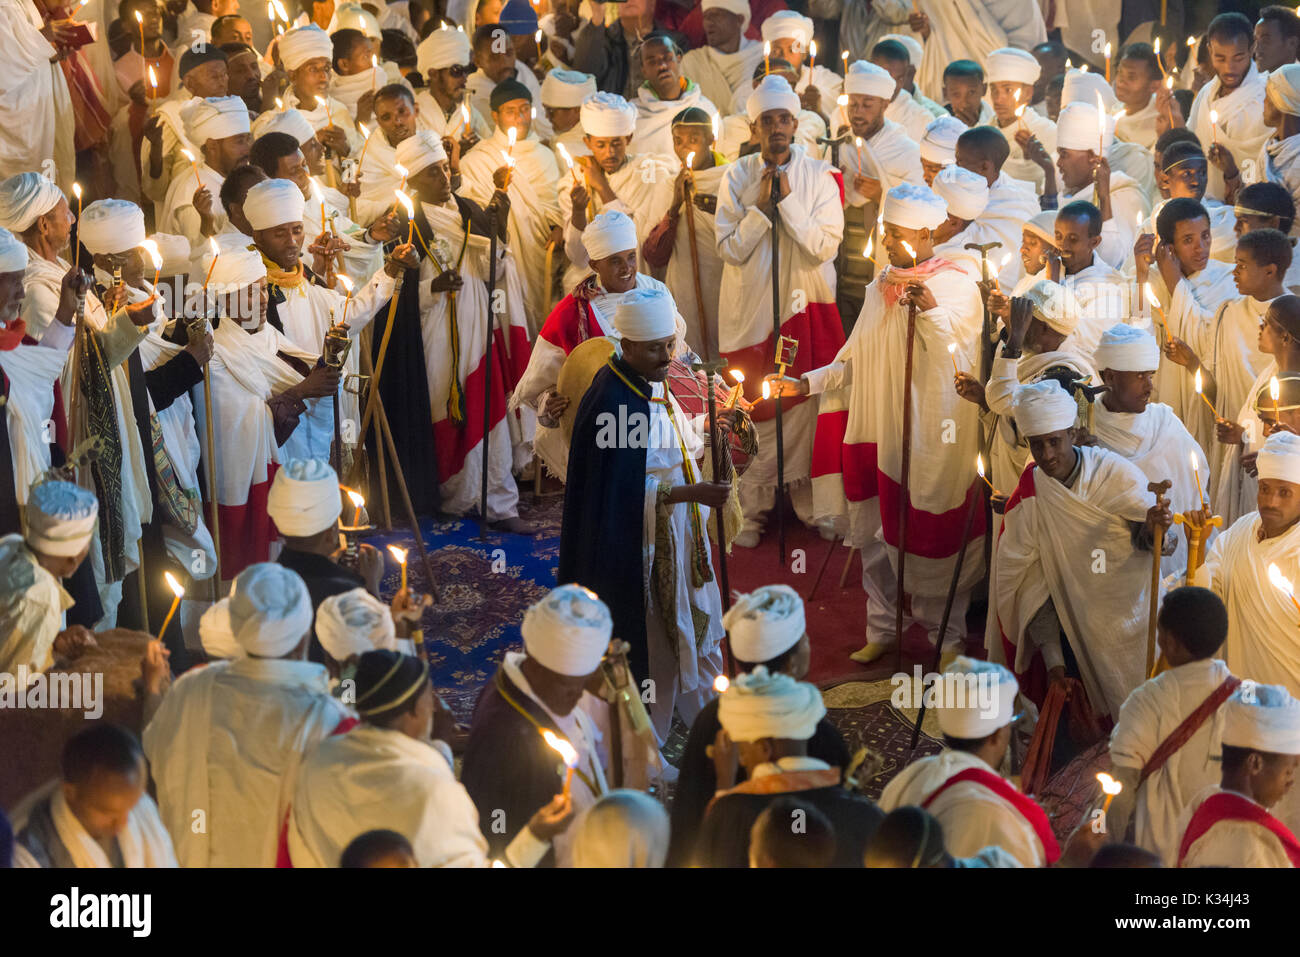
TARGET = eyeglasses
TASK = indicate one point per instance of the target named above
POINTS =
(461, 70)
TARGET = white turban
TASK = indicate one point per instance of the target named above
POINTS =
(273, 202)
(1262, 718)
(353, 16)
(760, 705)
(913, 45)
(1043, 225)
(1079, 127)
(739, 7)
(217, 118)
(25, 198)
(644, 315)
(304, 43)
(976, 698)
(1279, 458)
(787, 23)
(913, 206)
(1283, 88)
(270, 610)
(353, 623)
(1044, 407)
(284, 121)
(420, 151)
(60, 518)
(441, 49)
(215, 636)
(566, 89)
(1125, 348)
(868, 79)
(939, 144)
(304, 498)
(966, 193)
(111, 226)
(609, 233)
(13, 252)
(176, 253)
(1055, 305)
(1083, 87)
(767, 622)
(1009, 65)
(568, 631)
(772, 93)
(607, 114)
(234, 269)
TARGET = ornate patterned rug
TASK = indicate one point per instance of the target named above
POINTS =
(864, 714)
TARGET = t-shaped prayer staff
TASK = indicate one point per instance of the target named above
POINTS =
(1157, 546)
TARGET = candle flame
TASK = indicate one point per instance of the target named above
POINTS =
(1280, 581)
(532, 112)
(1084, 68)
(212, 244)
(564, 154)
(1020, 111)
(1196, 467)
(279, 104)
(1005, 259)
(401, 170)
(690, 159)
(358, 500)
(721, 683)
(270, 11)
(979, 464)
(512, 135)
(1151, 296)
(737, 375)
(76, 189)
(153, 77)
(398, 553)
(767, 46)
(844, 55)
(464, 113)
(713, 125)
(767, 389)
(812, 49)
(842, 100)
(1191, 41)
(280, 11)
(1198, 382)
(320, 100)
(374, 62)
(364, 132)
(857, 141)
(1016, 96)
(866, 250)
(952, 348)
(1108, 784)
(497, 863)
(537, 37)
(138, 18)
(177, 589)
(1169, 83)
(1155, 47)
(1107, 51)
(406, 202)
(347, 283)
(561, 747)
(151, 248)
(187, 154)
(508, 159)
(1214, 117)
(1068, 63)
(1274, 389)
(910, 251)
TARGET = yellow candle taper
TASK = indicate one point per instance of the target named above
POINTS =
(767, 56)
(1274, 392)
(139, 19)
(1200, 385)
(194, 165)
(1110, 787)
(410, 215)
(400, 555)
(216, 252)
(952, 354)
(1196, 474)
(979, 469)
(178, 591)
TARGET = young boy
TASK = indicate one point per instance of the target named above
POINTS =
(1165, 747)
(1012, 75)
(963, 93)
(1236, 95)
(1268, 206)
(1102, 291)
(1137, 78)
(1184, 171)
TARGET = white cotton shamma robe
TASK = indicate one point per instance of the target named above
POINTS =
(225, 748)
(1074, 546)
(1240, 128)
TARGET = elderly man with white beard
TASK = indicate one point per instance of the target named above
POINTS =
(400, 750)
(1077, 506)
(228, 739)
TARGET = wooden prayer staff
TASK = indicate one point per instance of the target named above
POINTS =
(689, 213)
(905, 497)
(400, 555)
(178, 591)
(1282, 583)
(211, 440)
(1110, 787)
(76, 246)
(1157, 545)
(776, 341)
(720, 459)
(487, 367)
(567, 754)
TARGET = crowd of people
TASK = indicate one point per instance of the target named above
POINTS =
(1013, 315)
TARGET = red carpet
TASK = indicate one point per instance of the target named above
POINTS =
(837, 617)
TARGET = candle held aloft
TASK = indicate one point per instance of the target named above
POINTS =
(1196, 474)
(1110, 787)
(400, 555)
(952, 354)
(567, 754)
(178, 591)
(357, 502)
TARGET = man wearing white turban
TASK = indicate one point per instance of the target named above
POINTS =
(967, 196)
(60, 523)
(228, 739)
(811, 215)
(791, 36)
(768, 720)
(1279, 161)
(443, 107)
(447, 303)
(960, 786)
(646, 487)
(308, 55)
(767, 627)
(36, 211)
(509, 766)
(562, 94)
(894, 58)
(220, 128)
(400, 750)
(624, 829)
(1148, 434)
(1011, 77)
(1012, 203)
(612, 177)
(1231, 825)
(727, 57)
(1078, 506)
(857, 458)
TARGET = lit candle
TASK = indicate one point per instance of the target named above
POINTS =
(153, 83)
(866, 250)
(151, 248)
(280, 11)
(1159, 59)
(1214, 128)
(910, 251)
(510, 164)
(564, 155)
(329, 118)
(952, 354)
(77, 247)
(767, 389)
(812, 54)
(194, 165)
(139, 19)
(410, 215)
(400, 555)
(739, 378)
(1282, 583)
(1020, 115)
(1274, 392)
(178, 591)
(1199, 384)
(357, 501)
(347, 284)
(270, 12)
(374, 68)
(1154, 300)
(1107, 62)
(1110, 787)
(512, 136)
(566, 752)
(844, 61)
(979, 468)
(364, 143)
(689, 165)
(857, 141)
(401, 171)
(216, 251)
(721, 683)
(1196, 474)
(767, 56)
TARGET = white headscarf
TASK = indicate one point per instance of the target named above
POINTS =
(644, 315)
(914, 206)
(441, 49)
(304, 498)
(60, 518)
(25, 198)
(284, 121)
(420, 151)
(939, 144)
(607, 114)
(761, 705)
(1044, 407)
(788, 24)
(1081, 127)
(1009, 65)
(772, 93)
(867, 79)
(976, 698)
(270, 610)
(966, 193)
(608, 233)
(739, 7)
(1262, 718)
(273, 202)
(568, 631)
(217, 118)
(767, 622)
(215, 636)
(1055, 305)
(566, 89)
(1125, 348)
(13, 253)
(1279, 458)
(301, 44)
(1283, 88)
(354, 622)
(111, 226)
